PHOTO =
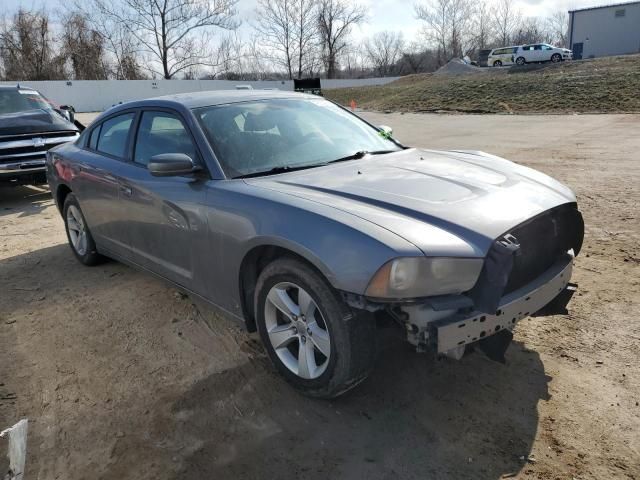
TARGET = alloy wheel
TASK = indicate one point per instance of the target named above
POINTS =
(297, 330)
(77, 230)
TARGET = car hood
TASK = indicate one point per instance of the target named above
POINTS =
(33, 121)
(446, 203)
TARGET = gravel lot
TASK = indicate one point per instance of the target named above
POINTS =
(123, 377)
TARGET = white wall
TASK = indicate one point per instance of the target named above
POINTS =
(98, 95)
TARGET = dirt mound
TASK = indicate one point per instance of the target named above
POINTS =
(584, 86)
(458, 67)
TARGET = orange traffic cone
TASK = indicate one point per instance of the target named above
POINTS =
(353, 105)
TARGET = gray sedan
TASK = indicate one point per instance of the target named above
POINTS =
(308, 224)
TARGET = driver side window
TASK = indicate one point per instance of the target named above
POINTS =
(161, 132)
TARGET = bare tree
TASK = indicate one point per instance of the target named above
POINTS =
(448, 26)
(175, 34)
(27, 50)
(84, 47)
(531, 30)
(557, 25)
(122, 55)
(354, 61)
(230, 58)
(276, 28)
(306, 35)
(128, 67)
(483, 27)
(335, 20)
(384, 50)
(417, 60)
(508, 20)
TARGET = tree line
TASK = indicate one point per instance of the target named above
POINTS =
(138, 39)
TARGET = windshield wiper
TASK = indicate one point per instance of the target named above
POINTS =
(360, 154)
(289, 168)
(276, 170)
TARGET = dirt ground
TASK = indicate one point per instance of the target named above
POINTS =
(121, 376)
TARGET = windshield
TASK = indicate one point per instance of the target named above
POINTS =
(16, 100)
(274, 135)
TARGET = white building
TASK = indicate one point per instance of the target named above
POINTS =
(607, 30)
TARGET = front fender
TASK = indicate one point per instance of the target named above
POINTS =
(346, 249)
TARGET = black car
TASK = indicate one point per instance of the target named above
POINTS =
(29, 126)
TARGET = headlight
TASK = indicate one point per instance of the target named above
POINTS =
(415, 277)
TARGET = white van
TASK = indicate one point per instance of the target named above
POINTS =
(502, 56)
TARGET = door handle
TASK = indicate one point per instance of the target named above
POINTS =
(126, 190)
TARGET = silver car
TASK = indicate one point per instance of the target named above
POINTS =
(308, 224)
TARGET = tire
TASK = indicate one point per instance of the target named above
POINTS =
(556, 58)
(520, 61)
(497, 63)
(83, 247)
(351, 336)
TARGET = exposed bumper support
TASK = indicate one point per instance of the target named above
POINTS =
(449, 331)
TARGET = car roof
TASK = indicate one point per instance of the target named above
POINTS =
(15, 87)
(187, 101)
(220, 97)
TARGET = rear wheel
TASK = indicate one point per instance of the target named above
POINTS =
(556, 57)
(78, 233)
(521, 61)
(315, 341)
(497, 63)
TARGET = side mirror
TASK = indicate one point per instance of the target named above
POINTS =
(171, 164)
(69, 112)
(385, 131)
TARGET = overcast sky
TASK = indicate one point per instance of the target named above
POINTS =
(383, 14)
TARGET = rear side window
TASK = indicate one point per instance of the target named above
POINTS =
(113, 135)
(93, 139)
(162, 132)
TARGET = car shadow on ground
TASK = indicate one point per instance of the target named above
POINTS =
(27, 199)
(415, 417)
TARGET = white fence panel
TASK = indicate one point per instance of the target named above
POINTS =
(98, 95)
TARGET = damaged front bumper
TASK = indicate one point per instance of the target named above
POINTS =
(449, 330)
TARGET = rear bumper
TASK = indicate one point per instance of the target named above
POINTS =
(447, 330)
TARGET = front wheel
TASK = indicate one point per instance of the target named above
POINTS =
(497, 63)
(520, 61)
(556, 57)
(78, 234)
(315, 341)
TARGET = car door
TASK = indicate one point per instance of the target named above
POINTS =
(538, 54)
(165, 215)
(97, 183)
(547, 52)
(525, 52)
(502, 55)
